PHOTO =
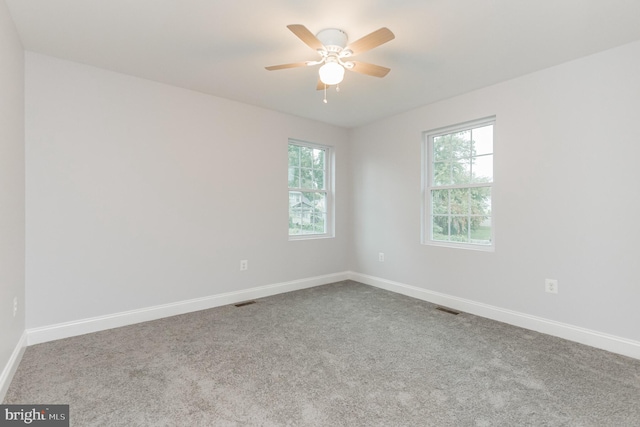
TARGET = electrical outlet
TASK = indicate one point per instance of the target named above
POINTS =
(244, 265)
(551, 286)
(381, 257)
(15, 306)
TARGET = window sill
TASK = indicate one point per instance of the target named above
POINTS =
(470, 247)
(310, 237)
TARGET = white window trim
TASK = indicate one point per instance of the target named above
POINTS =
(329, 185)
(426, 237)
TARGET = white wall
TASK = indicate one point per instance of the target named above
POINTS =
(566, 196)
(11, 193)
(140, 194)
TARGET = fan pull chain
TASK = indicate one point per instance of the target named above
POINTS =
(325, 94)
(337, 88)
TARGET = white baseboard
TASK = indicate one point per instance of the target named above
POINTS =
(12, 365)
(100, 323)
(589, 337)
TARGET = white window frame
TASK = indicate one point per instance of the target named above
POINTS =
(427, 185)
(328, 190)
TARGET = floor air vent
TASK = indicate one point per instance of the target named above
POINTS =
(242, 304)
(447, 310)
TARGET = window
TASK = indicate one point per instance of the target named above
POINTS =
(458, 175)
(310, 196)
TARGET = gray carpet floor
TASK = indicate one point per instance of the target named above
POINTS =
(344, 354)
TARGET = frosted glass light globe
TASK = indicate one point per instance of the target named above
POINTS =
(331, 73)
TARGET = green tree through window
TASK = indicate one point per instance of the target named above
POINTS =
(460, 180)
(308, 189)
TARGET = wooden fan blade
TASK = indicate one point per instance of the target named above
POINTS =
(306, 36)
(283, 66)
(370, 41)
(369, 69)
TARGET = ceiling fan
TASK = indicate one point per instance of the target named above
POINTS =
(335, 54)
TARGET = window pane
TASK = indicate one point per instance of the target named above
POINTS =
(320, 224)
(481, 201)
(483, 169)
(440, 228)
(441, 148)
(480, 220)
(306, 157)
(460, 143)
(316, 201)
(294, 155)
(318, 179)
(312, 212)
(294, 203)
(461, 171)
(294, 198)
(441, 173)
(440, 202)
(459, 201)
(483, 140)
(294, 177)
(306, 210)
(459, 228)
(294, 224)
(318, 159)
(481, 230)
(306, 178)
(295, 212)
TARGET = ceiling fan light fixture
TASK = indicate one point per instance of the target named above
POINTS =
(331, 45)
(331, 73)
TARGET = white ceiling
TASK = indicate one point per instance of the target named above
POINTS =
(442, 47)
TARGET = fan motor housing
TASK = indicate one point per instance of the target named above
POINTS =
(333, 39)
